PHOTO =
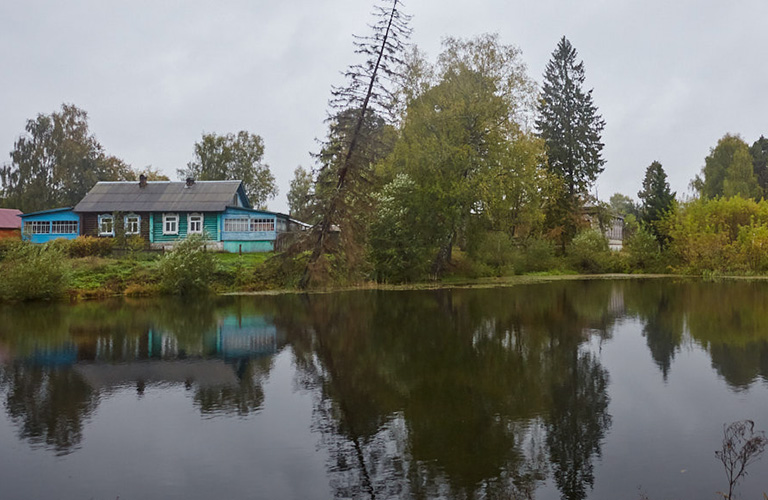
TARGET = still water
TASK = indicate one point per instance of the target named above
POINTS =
(575, 390)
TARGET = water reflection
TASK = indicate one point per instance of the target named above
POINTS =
(729, 320)
(61, 360)
(448, 394)
(441, 394)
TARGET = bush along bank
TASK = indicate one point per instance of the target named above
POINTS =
(88, 268)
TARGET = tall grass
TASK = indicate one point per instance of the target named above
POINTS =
(32, 272)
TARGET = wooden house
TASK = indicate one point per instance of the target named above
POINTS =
(612, 225)
(165, 212)
(48, 225)
(10, 223)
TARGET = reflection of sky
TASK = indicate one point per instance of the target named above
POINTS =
(156, 447)
(155, 444)
(664, 435)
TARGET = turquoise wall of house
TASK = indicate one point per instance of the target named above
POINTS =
(248, 246)
(49, 217)
(236, 213)
(210, 227)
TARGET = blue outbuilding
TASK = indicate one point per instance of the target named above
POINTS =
(48, 225)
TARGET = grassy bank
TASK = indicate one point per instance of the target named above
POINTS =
(58, 270)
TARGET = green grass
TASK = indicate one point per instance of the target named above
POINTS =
(246, 258)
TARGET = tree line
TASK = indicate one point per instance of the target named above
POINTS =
(448, 160)
(57, 160)
(428, 166)
(423, 158)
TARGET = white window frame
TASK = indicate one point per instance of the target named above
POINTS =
(170, 218)
(191, 223)
(261, 225)
(63, 227)
(127, 221)
(237, 225)
(38, 227)
(103, 218)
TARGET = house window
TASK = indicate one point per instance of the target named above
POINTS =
(262, 224)
(64, 227)
(170, 224)
(106, 225)
(237, 225)
(38, 227)
(132, 224)
(194, 224)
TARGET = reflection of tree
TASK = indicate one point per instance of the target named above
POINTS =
(731, 321)
(576, 425)
(190, 325)
(441, 394)
(739, 364)
(245, 398)
(657, 303)
(49, 404)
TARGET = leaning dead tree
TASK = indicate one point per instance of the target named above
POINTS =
(359, 113)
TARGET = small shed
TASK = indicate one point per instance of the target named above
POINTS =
(10, 223)
(48, 225)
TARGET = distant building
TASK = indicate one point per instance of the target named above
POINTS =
(613, 228)
(10, 223)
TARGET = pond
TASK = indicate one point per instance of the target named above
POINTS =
(581, 389)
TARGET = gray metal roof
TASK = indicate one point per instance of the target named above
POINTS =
(202, 196)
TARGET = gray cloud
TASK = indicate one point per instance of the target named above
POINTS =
(670, 78)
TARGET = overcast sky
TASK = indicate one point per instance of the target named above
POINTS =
(669, 77)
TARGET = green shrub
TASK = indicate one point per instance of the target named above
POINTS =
(33, 271)
(494, 250)
(539, 255)
(644, 251)
(90, 246)
(7, 245)
(402, 240)
(618, 262)
(188, 268)
(588, 252)
(61, 244)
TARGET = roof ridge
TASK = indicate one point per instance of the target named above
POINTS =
(165, 182)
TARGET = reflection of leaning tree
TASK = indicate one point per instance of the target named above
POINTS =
(449, 394)
(50, 405)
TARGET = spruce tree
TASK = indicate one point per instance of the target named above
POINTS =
(569, 123)
(571, 127)
(655, 197)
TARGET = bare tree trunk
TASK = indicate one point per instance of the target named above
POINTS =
(326, 224)
(443, 258)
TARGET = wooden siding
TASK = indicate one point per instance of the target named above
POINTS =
(10, 233)
(89, 223)
(234, 213)
(50, 216)
(210, 227)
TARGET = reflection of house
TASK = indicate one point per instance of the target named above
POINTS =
(247, 336)
(10, 223)
(164, 213)
(203, 372)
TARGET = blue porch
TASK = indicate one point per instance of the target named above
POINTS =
(48, 225)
